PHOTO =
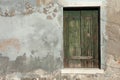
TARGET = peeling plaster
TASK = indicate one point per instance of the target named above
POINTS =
(39, 39)
(31, 40)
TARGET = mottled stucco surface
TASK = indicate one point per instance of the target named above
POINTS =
(30, 37)
(31, 40)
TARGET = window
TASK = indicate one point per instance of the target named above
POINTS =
(81, 37)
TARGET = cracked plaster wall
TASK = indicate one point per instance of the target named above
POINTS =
(31, 39)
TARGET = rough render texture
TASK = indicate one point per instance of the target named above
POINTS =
(31, 41)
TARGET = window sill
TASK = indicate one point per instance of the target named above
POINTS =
(82, 71)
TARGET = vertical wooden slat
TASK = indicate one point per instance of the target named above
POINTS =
(66, 38)
(86, 25)
(82, 41)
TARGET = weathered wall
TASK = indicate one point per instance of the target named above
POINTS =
(113, 27)
(31, 39)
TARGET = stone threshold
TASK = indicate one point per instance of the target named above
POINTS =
(82, 71)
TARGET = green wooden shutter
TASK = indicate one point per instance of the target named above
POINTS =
(81, 38)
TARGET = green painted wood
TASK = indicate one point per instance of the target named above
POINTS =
(81, 38)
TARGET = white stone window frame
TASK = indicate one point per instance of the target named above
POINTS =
(103, 38)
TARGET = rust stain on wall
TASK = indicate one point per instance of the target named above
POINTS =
(38, 2)
(119, 62)
(10, 43)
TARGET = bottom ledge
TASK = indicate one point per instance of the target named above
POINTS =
(82, 71)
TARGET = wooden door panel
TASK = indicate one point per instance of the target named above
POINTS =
(81, 38)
